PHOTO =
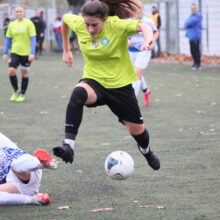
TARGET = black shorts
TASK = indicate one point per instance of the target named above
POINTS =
(122, 101)
(16, 59)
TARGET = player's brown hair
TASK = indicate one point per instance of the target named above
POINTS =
(104, 8)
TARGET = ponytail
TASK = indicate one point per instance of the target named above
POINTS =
(122, 8)
(104, 8)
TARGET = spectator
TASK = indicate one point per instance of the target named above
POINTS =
(155, 17)
(42, 36)
(57, 32)
(193, 26)
(39, 26)
(6, 22)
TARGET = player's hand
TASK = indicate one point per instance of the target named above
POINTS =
(146, 46)
(129, 43)
(5, 58)
(31, 57)
(68, 58)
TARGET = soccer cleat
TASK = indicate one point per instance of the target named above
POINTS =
(14, 96)
(198, 67)
(42, 199)
(20, 98)
(45, 158)
(152, 159)
(147, 97)
(193, 67)
(65, 152)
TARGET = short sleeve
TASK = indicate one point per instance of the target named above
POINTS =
(125, 26)
(151, 23)
(72, 20)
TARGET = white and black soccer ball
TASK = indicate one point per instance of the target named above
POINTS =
(119, 165)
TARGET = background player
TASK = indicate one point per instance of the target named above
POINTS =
(21, 38)
(141, 58)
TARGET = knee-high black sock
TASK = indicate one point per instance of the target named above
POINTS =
(142, 139)
(24, 84)
(14, 82)
(74, 112)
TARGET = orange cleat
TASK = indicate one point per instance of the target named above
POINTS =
(45, 158)
(147, 97)
(42, 199)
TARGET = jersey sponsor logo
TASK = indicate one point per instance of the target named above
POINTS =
(105, 41)
(83, 42)
(21, 28)
(95, 43)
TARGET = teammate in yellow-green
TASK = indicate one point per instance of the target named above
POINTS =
(108, 71)
(21, 39)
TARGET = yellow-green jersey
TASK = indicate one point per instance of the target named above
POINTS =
(20, 31)
(106, 55)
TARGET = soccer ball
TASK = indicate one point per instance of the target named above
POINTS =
(119, 165)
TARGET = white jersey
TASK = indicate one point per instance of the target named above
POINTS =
(137, 40)
(8, 152)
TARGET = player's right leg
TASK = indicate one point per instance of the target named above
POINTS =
(20, 192)
(82, 94)
(13, 64)
(9, 195)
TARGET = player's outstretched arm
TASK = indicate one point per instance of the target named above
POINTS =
(67, 55)
(148, 35)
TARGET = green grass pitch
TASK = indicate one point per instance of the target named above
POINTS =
(184, 124)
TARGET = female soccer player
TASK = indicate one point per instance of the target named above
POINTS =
(141, 58)
(21, 39)
(20, 174)
(108, 71)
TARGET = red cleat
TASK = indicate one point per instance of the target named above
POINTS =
(45, 158)
(147, 97)
(42, 199)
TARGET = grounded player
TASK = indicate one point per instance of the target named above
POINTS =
(108, 71)
(21, 173)
(21, 38)
(141, 58)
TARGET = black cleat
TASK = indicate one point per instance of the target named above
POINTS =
(152, 159)
(65, 152)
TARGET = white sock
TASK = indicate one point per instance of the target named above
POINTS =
(136, 85)
(70, 142)
(143, 83)
(15, 199)
(145, 150)
(26, 163)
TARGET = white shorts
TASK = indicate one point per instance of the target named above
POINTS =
(31, 188)
(140, 59)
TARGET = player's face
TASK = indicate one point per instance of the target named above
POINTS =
(19, 12)
(193, 9)
(94, 25)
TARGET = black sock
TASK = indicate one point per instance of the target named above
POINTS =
(74, 112)
(14, 82)
(24, 84)
(142, 139)
(144, 90)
